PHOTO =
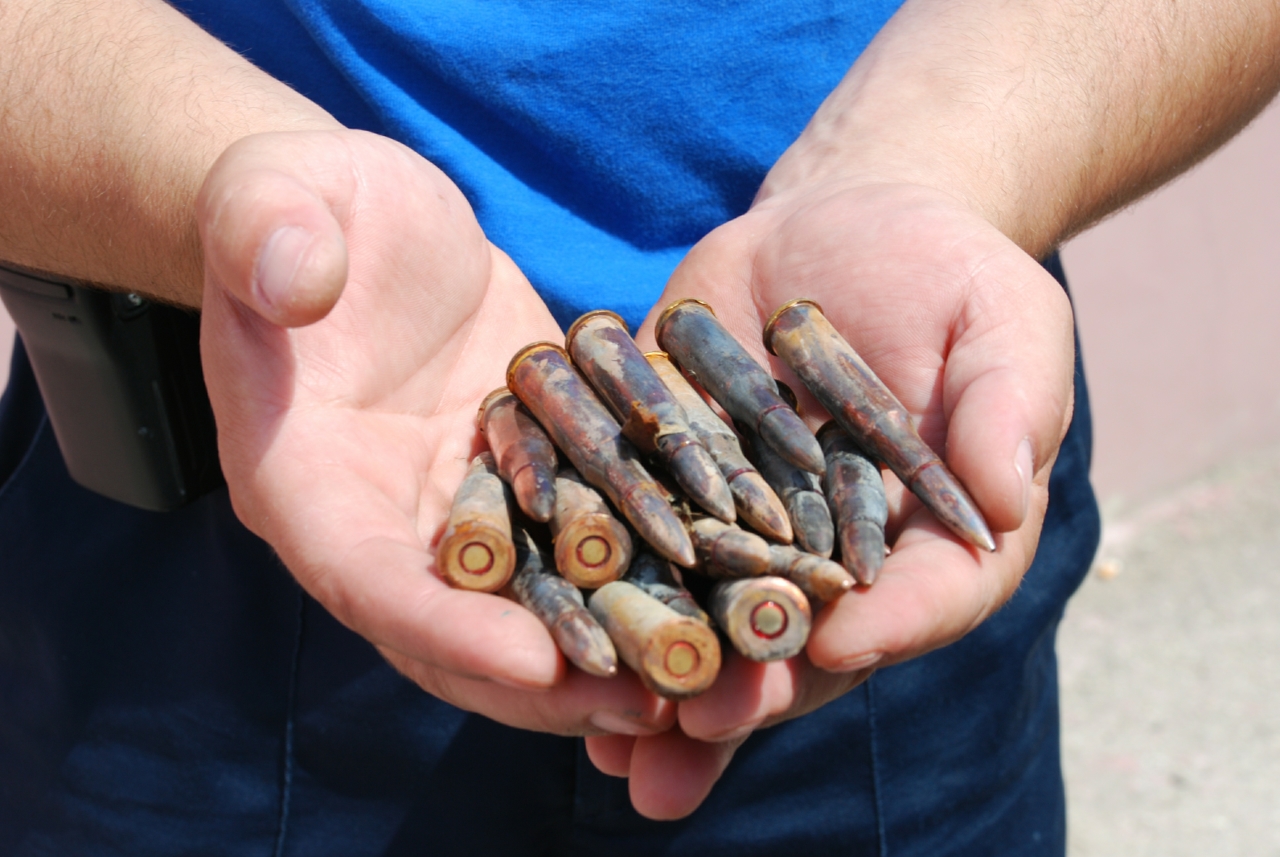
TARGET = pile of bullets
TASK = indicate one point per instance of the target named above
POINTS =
(660, 515)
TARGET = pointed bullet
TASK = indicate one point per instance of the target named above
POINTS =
(525, 455)
(819, 578)
(805, 340)
(801, 495)
(725, 550)
(689, 331)
(855, 493)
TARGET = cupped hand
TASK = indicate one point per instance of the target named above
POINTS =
(975, 338)
(355, 316)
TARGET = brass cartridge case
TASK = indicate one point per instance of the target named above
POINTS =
(755, 501)
(689, 331)
(558, 604)
(860, 402)
(765, 618)
(855, 493)
(675, 656)
(819, 578)
(657, 577)
(726, 550)
(801, 495)
(476, 551)
(651, 417)
(525, 455)
(584, 430)
(592, 547)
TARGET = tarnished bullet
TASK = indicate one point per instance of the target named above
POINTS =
(675, 656)
(689, 331)
(725, 550)
(651, 417)
(765, 618)
(476, 551)
(558, 604)
(525, 455)
(805, 340)
(541, 375)
(592, 547)
(756, 502)
(855, 493)
(819, 578)
(657, 577)
(801, 495)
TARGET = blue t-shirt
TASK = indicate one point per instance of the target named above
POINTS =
(596, 141)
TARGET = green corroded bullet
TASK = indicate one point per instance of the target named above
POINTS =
(689, 331)
(592, 547)
(584, 430)
(726, 550)
(558, 604)
(525, 455)
(675, 656)
(651, 417)
(476, 551)
(756, 502)
(657, 577)
(855, 492)
(801, 495)
(765, 618)
(819, 578)
(804, 339)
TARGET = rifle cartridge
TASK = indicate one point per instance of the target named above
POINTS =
(860, 402)
(584, 430)
(689, 331)
(801, 495)
(651, 417)
(656, 577)
(558, 604)
(765, 618)
(755, 501)
(525, 455)
(855, 492)
(819, 578)
(676, 656)
(592, 547)
(476, 551)
(726, 550)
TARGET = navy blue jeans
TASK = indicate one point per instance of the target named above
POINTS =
(166, 688)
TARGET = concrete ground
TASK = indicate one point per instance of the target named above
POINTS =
(1170, 670)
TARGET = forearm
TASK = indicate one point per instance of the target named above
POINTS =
(1043, 116)
(111, 113)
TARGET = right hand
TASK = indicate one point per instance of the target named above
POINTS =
(355, 316)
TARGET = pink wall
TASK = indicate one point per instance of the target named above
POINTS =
(1178, 299)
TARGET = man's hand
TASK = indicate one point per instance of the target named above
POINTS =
(354, 317)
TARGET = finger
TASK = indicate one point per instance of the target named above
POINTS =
(671, 774)
(611, 754)
(581, 704)
(269, 236)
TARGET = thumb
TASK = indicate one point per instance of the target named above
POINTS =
(270, 238)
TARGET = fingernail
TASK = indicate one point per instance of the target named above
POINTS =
(859, 662)
(1023, 464)
(734, 734)
(619, 725)
(282, 255)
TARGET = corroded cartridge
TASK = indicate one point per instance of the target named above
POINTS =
(558, 604)
(855, 493)
(525, 455)
(756, 502)
(801, 495)
(726, 550)
(675, 656)
(541, 375)
(689, 331)
(805, 340)
(657, 577)
(592, 547)
(476, 551)
(765, 618)
(819, 578)
(650, 415)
